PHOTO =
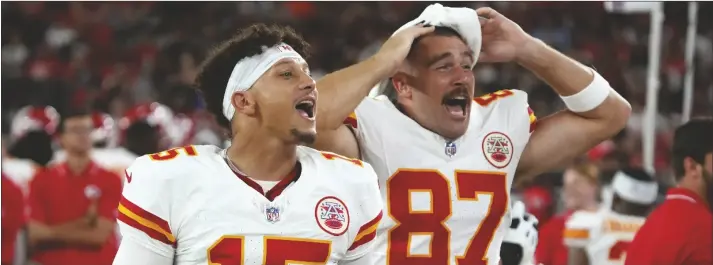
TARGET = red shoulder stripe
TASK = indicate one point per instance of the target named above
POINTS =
(351, 120)
(134, 216)
(367, 232)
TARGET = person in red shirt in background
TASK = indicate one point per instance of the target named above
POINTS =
(73, 205)
(580, 190)
(680, 230)
(13, 218)
(538, 202)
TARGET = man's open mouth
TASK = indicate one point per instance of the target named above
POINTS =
(457, 103)
(306, 108)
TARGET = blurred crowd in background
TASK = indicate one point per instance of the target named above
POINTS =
(122, 58)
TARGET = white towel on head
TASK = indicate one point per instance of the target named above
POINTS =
(461, 19)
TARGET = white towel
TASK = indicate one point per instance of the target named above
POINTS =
(461, 19)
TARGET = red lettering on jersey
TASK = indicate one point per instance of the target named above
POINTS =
(229, 250)
(486, 99)
(332, 156)
(128, 176)
(469, 185)
(618, 250)
(173, 153)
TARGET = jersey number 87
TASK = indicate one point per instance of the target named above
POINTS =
(469, 185)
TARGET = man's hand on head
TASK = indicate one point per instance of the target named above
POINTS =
(396, 48)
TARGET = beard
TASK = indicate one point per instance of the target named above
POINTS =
(306, 138)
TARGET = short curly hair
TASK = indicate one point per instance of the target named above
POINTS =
(216, 68)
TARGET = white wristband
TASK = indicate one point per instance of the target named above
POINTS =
(590, 97)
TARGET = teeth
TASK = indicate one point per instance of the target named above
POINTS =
(459, 97)
(306, 101)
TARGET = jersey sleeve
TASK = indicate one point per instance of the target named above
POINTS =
(532, 119)
(523, 115)
(369, 216)
(357, 121)
(580, 229)
(144, 208)
(367, 120)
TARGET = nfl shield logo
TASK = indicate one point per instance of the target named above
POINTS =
(450, 149)
(272, 214)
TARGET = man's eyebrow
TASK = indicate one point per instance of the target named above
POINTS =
(439, 57)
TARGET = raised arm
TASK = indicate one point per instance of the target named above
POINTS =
(595, 111)
(341, 92)
(567, 134)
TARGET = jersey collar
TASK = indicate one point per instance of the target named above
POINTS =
(684, 194)
(271, 194)
(88, 169)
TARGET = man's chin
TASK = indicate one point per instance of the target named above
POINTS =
(455, 129)
(304, 136)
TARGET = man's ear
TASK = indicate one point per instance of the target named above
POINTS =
(399, 81)
(690, 165)
(244, 103)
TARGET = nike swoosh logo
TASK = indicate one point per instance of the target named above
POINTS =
(128, 176)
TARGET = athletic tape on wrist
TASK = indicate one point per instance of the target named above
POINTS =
(590, 97)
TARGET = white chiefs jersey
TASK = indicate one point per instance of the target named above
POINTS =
(187, 203)
(445, 202)
(20, 171)
(604, 235)
(113, 159)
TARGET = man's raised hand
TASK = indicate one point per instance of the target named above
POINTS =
(396, 48)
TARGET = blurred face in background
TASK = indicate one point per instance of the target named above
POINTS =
(75, 138)
(580, 189)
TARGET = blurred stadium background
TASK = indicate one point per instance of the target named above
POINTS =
(114, 56)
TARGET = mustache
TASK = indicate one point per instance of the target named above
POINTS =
(458, 91)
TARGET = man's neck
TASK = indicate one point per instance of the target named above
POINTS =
(697, 189)
(78, 162)
(590, 207)
(262, 157)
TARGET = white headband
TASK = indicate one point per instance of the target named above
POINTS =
(634, 190)
(248, 70)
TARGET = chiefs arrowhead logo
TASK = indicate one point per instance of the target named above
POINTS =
(128, 176)
(498, 149)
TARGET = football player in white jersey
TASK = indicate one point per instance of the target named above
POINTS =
(264, 199)
(446, 162)
(601, 238)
